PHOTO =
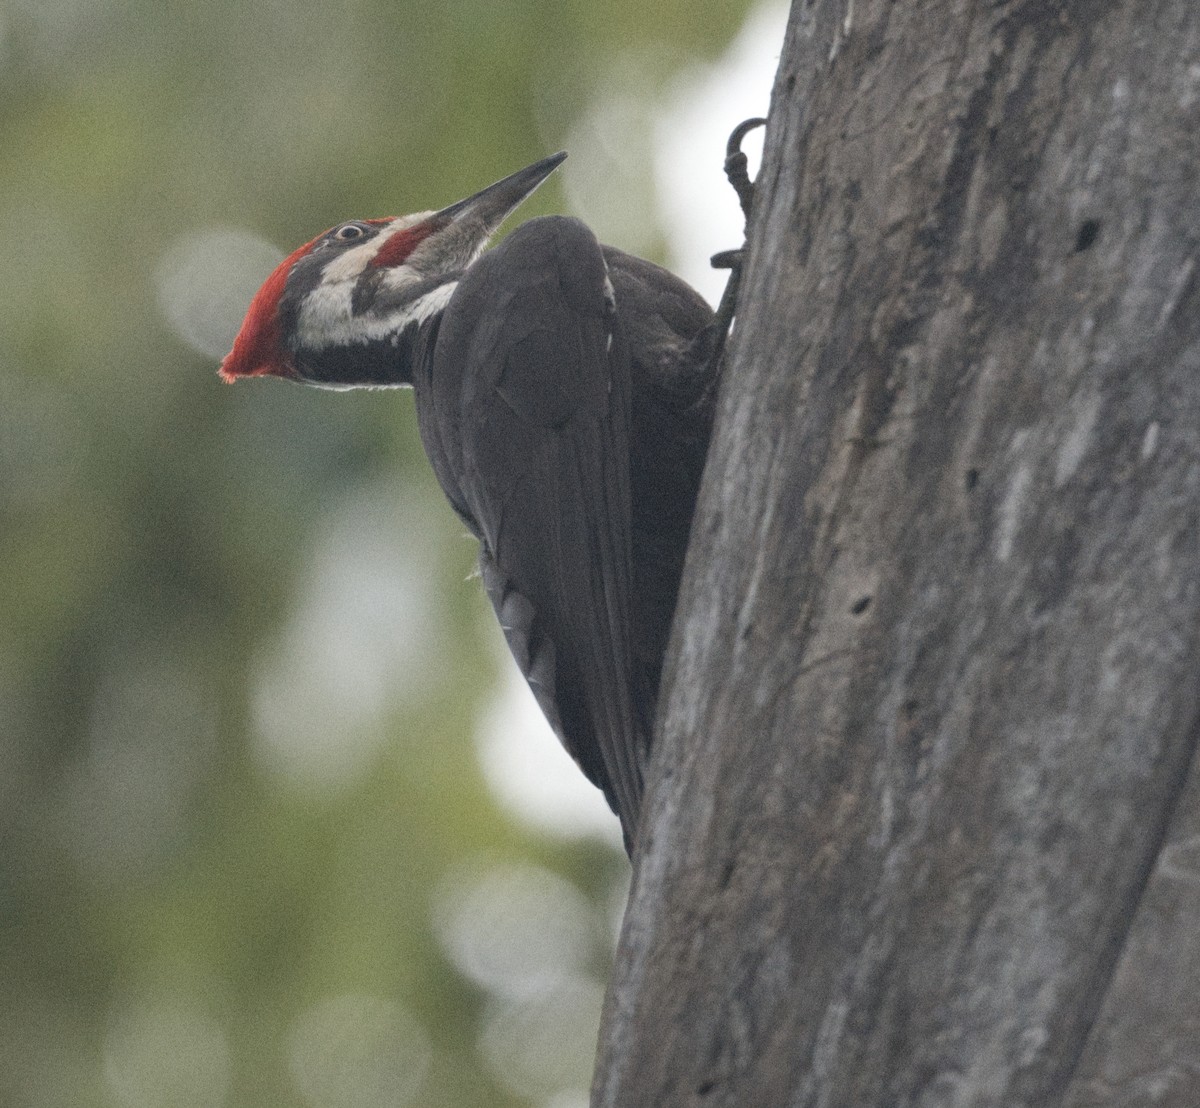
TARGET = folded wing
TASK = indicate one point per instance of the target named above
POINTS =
(527, 419)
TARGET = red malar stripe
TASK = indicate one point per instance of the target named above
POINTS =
(402, 243)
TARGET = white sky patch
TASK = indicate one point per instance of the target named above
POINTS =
(608, 178)
(698, 209)
(528, 770)
(363, 638)
(515, 930)
(541, 1047)
(205, 282)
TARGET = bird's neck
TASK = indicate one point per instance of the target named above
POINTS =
(389, 361)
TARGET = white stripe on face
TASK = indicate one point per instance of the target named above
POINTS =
(326, 314)
(350, 263)
(326, 320)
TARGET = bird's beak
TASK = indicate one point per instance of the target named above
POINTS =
(480, 215)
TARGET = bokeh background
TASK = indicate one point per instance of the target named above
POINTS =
(278, 825)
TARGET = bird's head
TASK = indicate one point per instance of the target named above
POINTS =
(343, 310)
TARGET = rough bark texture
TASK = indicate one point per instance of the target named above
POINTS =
(934, 688)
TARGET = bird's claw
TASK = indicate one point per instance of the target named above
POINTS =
(736, 169)
(737, 165)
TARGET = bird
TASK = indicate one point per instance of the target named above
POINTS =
(564, 394)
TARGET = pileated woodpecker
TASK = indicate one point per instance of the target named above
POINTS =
(564, 395)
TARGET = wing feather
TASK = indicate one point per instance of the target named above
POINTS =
(530, 394)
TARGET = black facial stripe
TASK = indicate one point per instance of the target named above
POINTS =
(365, 290)
(382, 362)
(306, 274)
(368, 291)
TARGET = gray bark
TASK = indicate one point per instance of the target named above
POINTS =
(933, 696)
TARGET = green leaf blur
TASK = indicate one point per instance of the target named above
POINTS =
(184, 920)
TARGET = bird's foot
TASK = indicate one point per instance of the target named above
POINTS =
(737, 171)
(737, 165)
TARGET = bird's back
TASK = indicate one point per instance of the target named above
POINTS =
(567, 414)
(673, 394)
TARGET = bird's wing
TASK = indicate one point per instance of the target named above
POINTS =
(531, 394)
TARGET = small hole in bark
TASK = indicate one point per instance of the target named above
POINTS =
(860, 605)
(705, 1087)
(972, 479)
(1086, 236)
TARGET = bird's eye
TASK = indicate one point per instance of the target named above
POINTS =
(348, 232)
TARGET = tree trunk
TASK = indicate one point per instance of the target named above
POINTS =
(933, 692)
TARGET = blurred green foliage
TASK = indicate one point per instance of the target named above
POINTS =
(182, 922)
